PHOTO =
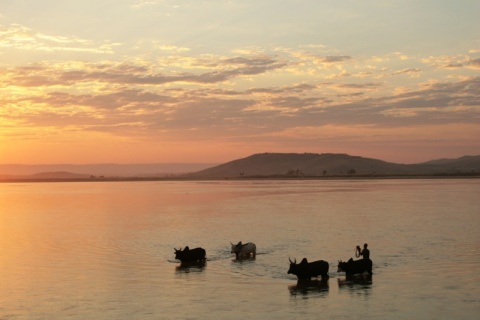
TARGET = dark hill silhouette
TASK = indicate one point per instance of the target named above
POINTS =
(311, 164)
(264, 165)
(466, 163)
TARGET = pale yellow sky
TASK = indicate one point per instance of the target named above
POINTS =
(134, 81)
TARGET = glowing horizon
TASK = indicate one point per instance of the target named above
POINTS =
(164, 81)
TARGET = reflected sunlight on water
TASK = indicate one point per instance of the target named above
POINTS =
(105, 250)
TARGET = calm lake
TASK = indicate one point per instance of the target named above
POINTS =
(105, 250)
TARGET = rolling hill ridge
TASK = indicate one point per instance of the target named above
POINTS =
(262, 165)
(327, 164)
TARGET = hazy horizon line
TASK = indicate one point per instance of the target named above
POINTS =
(220, 162)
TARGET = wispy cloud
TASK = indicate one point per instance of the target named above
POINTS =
(48, 75)
(20, 37)
(121, 94)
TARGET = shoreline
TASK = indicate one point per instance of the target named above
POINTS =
(249, 178)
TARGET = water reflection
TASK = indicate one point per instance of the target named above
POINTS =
(309, 288)
(358, 284)
(186, 267)
(244, 260)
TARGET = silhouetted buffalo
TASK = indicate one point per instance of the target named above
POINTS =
(246, 250)
(307, 270)
(187, 256)
(352, 267)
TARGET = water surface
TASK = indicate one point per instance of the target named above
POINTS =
(105, 250)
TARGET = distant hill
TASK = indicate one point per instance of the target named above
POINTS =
(106, 170)
(467, 163)
(311, 164)
(46, 176)
(293, 165)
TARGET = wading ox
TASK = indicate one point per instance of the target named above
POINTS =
(306, 270)
(242, 251)
(189, 256)
(353, 267)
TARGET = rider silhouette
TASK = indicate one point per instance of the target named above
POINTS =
(365, 253)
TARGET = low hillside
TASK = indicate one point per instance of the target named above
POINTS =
(310, 164)
(107, 170)
(52, 176)
(465, 164)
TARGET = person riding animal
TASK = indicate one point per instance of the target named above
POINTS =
(365, 253)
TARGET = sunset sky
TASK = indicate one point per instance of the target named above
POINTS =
(147, 81)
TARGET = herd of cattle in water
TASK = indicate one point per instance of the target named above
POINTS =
(304, 270)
